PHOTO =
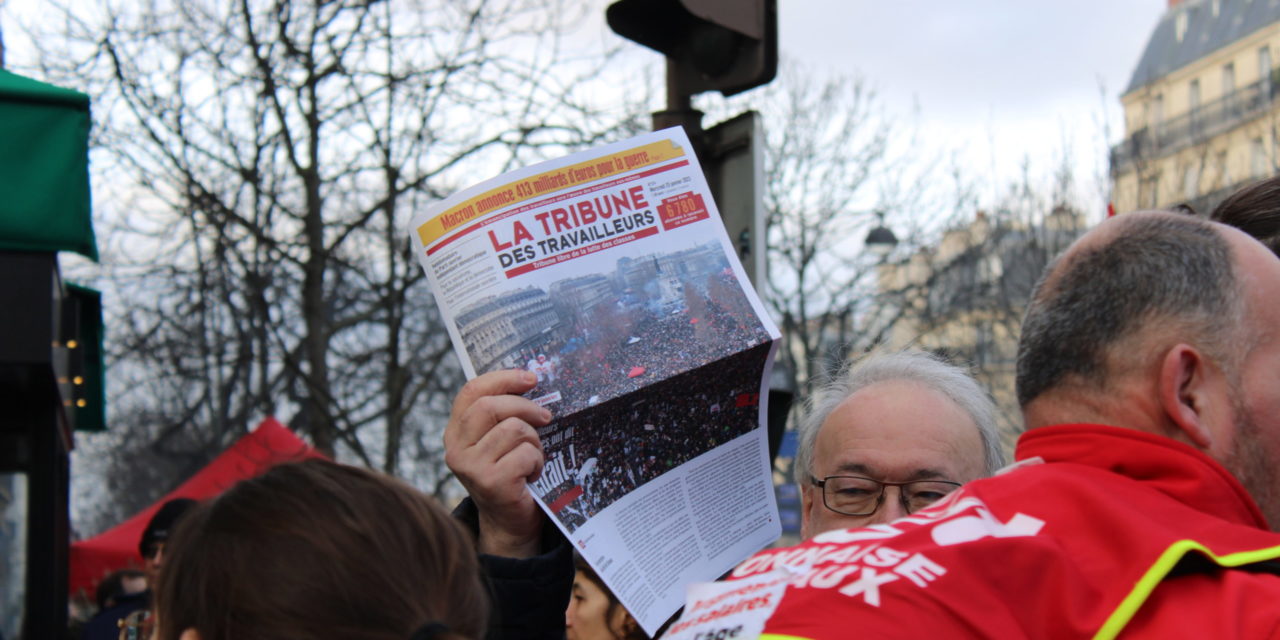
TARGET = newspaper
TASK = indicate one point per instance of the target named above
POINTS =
(609, 275)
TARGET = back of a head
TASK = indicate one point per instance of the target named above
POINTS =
(316, 550)
(1144, 273)
(909, 365)
(1255, 210)
(116, 585)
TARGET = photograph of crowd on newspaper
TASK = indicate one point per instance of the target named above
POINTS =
(594, 337)
(598, 455)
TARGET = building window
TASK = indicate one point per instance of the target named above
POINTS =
(1224, 170)
(1193, 104)
(1157, 117)
(1228, 78)
(1191, 182)
(1259, 167)
(1153, 192)
(1264, 70)
(1180, 25)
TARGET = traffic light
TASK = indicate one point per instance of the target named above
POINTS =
(86, 394)
(715, 45)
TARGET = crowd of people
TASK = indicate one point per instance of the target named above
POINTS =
(1142, 501)
(639, 437)
(652, 346)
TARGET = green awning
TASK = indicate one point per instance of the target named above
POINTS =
(44, 168)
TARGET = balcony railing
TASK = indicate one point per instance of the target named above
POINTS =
(1205, 203)
(1197, 125)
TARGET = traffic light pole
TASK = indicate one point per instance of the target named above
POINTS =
(728, 46)
(680, 111)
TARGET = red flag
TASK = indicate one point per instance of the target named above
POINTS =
(564, 500)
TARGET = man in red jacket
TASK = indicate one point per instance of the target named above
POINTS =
(1149, 376)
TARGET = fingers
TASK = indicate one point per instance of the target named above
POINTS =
(491, 438)
(495, 469)
(525, 460)
(492, 445)
(494, 383)
(511, 444)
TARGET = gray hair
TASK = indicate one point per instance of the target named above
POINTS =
(1154, 271)
(909, 365)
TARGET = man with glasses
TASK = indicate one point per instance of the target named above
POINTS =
(889, 436)
(1145, 498)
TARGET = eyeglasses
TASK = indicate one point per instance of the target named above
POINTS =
(152, 549)
(858, 496)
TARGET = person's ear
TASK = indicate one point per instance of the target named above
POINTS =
(630, 626)
(1187, 393)
(622, 625)
(189, 634)
(809, 498)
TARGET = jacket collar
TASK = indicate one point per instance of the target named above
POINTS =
(1178, 470)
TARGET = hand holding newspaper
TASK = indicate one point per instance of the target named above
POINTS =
(608, 275)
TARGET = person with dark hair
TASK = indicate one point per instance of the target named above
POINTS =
(1255, 210)
(119, 594)
(594, 613)
(151, 545)
(119, 584)
(132, 610)
(1146, 485)
(316, 549)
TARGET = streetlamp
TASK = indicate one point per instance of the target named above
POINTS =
(881, 240)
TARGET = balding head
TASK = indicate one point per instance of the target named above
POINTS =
(1133, 276)
(1169, 325)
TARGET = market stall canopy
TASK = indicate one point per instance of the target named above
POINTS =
(117, 548)
(44, 168)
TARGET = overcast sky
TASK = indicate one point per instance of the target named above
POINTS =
(998, 80)
(1016, 71)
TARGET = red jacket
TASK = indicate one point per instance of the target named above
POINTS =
(1117, 531)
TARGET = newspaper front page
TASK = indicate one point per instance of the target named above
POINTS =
(609, 275)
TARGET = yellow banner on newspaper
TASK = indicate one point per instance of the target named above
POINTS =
(544, 183)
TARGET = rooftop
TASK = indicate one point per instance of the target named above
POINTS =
(1208, 25)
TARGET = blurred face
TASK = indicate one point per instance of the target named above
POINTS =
(1255, 447)
(134, 584)
(154, 560)
(894, 431)
(588, 608)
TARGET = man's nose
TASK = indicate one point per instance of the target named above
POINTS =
(890, 507)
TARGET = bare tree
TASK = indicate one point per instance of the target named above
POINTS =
(836, 162)
(258, 162)
(965, 294)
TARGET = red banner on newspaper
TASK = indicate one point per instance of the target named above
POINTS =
(683, 209)
(582, 251)
(564, 500)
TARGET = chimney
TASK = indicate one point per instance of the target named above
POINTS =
(1174, 3)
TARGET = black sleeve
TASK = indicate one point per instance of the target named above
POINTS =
(529, 595)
